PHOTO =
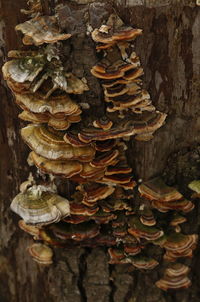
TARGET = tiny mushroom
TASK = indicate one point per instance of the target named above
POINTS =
(41, 253)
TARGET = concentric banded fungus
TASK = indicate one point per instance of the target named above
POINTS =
(41, 253)
(156, 189)
(177, 219)
(103, 123)
(183, 205)
(102, 210)
(163, 197)
(30, 229)
(195, 186)
(59, 167)
(40, 30)
(40, 72)
(39, 207)
(50, 144)
(139, 230)
(147, 217)
(179, 245)
(150, 124)
(54, 122)
(175, 277)
(106, 36)
(93, 192)
(77, 208)
(142, 262)
(58, 106)
(79, 232)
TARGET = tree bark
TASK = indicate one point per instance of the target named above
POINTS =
(169, 51)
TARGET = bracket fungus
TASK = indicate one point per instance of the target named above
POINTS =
(89, 149)
(40, 207)
(41, 253)
(50, 144)
(175, 277)
(40, 30)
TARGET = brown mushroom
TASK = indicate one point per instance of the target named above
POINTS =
(64, 168)
(50, 144)
(108, 38)
(40, 30)
(78, 232)
(41, 253)
(174, 277)
(38, 206)
(93, 192)
(139, 230)
(151, 123)
(156, 189)
(58, 106)
(30, 229)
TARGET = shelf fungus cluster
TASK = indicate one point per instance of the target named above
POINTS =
(90, 151)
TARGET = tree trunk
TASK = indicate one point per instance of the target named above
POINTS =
(169, 51)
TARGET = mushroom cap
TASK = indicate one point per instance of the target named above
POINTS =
(76, 219)
(113, 204)
(60, 106)
(102, 217)
(120, 231)
(156, 189)
(22, 71)
(56, 123)
(50, 144)
(110, 38)
(41, 253)
(30, 229)
(40, 30)
(105, 123)
(118, 179)
(147, 218)
(89, 172)
(116, 254)
(176, 270)
(106, 145)
(77, 208)
(140, 262)
(132, 249)
(173, 256)
(137, 229)
(93, 192)
(49, 238)
(72, 139)
(123, 74)
(183, 205)
(64, 168)
(78, 232)
(195, 186)
(118, 170)
(177, 219)
(177, 283)
(177, 242)
(125, 128)
(40, 207)
(104, 159)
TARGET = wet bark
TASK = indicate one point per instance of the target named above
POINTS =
(169, 51)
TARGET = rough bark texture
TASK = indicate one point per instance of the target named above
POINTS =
(169, 51)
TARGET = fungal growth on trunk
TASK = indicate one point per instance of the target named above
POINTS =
(78, 134)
